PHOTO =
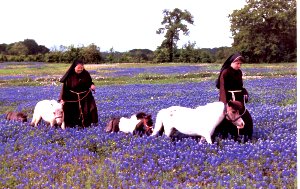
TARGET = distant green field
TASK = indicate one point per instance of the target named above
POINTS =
(27, 73)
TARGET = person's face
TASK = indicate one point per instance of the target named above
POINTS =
(79, 68)
(236, 64)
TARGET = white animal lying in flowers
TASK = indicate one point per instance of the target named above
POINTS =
(50, 111)
(200, 121)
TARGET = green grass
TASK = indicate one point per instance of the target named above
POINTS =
(43, 69)
(291, 100)
(55, 71)
(155, 79)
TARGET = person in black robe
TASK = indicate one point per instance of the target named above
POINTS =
(230, 85)
(76, 95)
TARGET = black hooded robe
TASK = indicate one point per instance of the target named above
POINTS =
(231, 79)
(85, 113)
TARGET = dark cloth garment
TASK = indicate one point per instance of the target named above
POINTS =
(75, 89)
(227, 64)
(71, 70)
(226, 128)
(231, 80)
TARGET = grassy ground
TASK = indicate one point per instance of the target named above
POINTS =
(45, 74)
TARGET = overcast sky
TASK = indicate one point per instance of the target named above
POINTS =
(121, 24)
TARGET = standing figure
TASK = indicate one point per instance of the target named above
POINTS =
(76, 96)
(230, 85)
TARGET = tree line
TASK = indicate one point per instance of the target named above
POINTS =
(263, 31)
(18, 52)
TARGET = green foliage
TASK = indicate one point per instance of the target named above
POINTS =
(26, 47)
(223, 53)
(110, 57)
(91, 54)
(265, 30)
(20, 52)
(3, 48)
(188, 53)
(56, 56)
(3, 58)
(161, 55)
(71, 54)
(174, 23)
(18, 49)
(34, 48)
(141, 55)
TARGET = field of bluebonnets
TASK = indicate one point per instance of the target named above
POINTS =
(45, 157)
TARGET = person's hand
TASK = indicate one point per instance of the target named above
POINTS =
(93, 87)
(62, 102)
(246, 98)
(246, 95)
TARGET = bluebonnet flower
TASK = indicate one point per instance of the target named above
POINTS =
(52, 158)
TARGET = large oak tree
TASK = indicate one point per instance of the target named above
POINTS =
(265, 30)
(174, 22)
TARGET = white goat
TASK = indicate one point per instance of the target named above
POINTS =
(50, 111)
(200, 121)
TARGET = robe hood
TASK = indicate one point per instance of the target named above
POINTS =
(227, 63)
(71, 70)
